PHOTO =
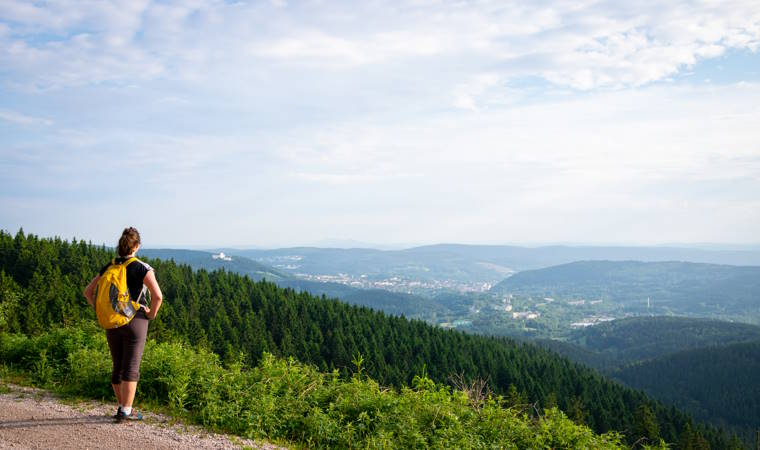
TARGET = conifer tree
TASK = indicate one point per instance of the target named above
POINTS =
(645, 424)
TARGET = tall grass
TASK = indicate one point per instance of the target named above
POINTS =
(285, 400)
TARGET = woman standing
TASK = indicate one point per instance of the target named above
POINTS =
(128, 341)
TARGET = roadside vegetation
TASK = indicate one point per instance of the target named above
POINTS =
(283, 400)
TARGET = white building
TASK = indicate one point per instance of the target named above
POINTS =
(222, 256)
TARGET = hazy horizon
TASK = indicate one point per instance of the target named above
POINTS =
(352, 244)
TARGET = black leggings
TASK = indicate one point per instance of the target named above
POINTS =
(127, 344)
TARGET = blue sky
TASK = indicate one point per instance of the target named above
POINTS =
(210, 123)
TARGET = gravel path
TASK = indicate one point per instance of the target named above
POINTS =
(34, 419)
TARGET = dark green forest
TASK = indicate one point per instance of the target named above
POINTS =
(639, 338)
(41, 281)
(719, 384)
(706, 367)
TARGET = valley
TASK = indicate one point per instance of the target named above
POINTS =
(642, 324)
(445, 286)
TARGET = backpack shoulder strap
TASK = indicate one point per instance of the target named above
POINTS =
(129, 261)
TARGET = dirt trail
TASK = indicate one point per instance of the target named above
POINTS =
(34, 419)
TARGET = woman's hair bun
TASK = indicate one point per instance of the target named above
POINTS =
(129, 239)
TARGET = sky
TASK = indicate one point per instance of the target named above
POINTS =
(210, 123)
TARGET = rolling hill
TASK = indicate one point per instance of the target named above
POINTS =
(675, 288)
(408, 305)
(610, 345)
(641, 338)
(473, 263)
(210, 261)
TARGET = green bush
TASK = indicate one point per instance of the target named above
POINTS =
(286, 400)
(42, 371)
(178, 375)
(90, 372)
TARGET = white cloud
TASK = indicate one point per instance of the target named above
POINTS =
(397, 121)
(315, 48)
(23, 119)
(588, 154)
(579, 45)
(467, 95)
(346, 179)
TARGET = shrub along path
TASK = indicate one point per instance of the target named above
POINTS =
(34, 419)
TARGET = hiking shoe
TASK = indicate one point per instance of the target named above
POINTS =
(134, 415)
(118, 411)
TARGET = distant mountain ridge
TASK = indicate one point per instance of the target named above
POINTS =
(408, 305)
(677, 288)
(468, 267)
(206, 260)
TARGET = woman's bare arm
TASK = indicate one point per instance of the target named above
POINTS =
(89, 291)
(156, 298)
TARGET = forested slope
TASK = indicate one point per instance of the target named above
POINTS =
(703, 366)
(41, 282)
(641, 338)
(206, 260)
(718, 384)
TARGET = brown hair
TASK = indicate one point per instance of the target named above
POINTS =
(129, 239)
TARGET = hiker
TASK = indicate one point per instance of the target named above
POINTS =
(127, 342)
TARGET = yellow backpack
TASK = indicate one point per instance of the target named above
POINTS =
(113, 306)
